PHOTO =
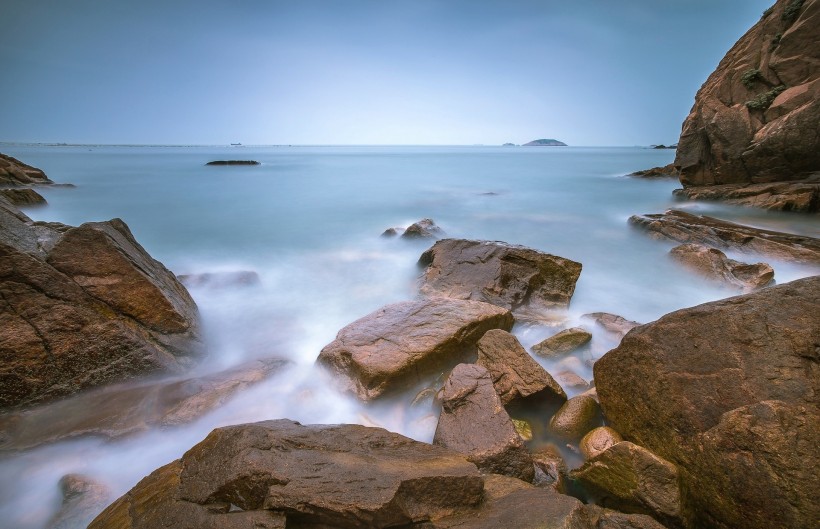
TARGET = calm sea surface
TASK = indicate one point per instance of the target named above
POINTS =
(308, 222)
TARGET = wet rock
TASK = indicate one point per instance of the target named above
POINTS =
(517, 378)
(667, 171)
(23, 197)
(612, 322)
(83, 499)
(802, 196)
(391, 232)
(423, 229)
(513, 277)
(631, 479)
(570, 380)
(562, 343)
(550, 468)
(14, 173)
(84, 307)
(599, 518)
(713, 264)
(727, 391)
(233, 162)
(399, 345)
(343, 476)
(575, 418)
(119, 411)
(598, 440)
(238, 278)
(474, 422)
(682, 227)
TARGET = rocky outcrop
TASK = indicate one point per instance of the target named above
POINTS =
(84, 307)
(83, 499)
(755, 118)
(682, 227)
(801, 196)
(399, 345)
(23, 197)
(233, 162)
(562, 343)
(575, 418)
(518, 379)
(423, 229)
(474, 423)
(612, 322)
(667, 171)
(728, 392)
(513, 277)
(713, 264)
(14, 173)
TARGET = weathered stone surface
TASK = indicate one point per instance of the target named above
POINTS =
(239, 278)
(631, 479)
(14, 173)
(473, 422)
(399, 345)
(667, 171)
(598, 440)
(84, 307)
(509, 276)
(346, 476)
(682, 227)
(517, 378)
(423, 229)
(23, 197)
(728, 391)
(802, 196)
(116, 412)
(612, 322)
(83, 499)
(740, 130)
(575, 418)
(713, 264)
(562, 343)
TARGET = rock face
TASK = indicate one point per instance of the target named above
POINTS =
(667, 171)
(728, 391)
(83, 498)
(682, 227)
(473, 422)
(518, 379)
(83, 307)
(14, 173)
(755, 118)
(23, 197)
(395, 347)
(280, 472)
(513, 277)
(545, 143)
(423, 229)
(801, 196)
(564, 342)
(713, 264)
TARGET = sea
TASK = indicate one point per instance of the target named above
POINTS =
(309, 220)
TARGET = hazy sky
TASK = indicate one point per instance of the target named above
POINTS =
(586, 72)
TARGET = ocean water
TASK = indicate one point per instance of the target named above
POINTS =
(308, 221)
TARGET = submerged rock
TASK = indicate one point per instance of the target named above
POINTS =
(399, 345)
(713, 264)
(423, 229)
(667, 171)
(220, 279)
(550, 468)
(14, 173)
(612, 322)
(233, 162)
(83, 499)
(23, 197)
(562, 343)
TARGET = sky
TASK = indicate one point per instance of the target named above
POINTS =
(361, 72)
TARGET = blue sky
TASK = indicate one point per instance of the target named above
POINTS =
(359, 72)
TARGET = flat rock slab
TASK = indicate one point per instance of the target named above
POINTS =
(713, 264)
(397, 346)
(513, 277)
(682, 227)
(801, 196)
(345, 476)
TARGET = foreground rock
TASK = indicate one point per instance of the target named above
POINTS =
(423, 229)
(801, 196)
(518, 379)
(562, 343)
(682, 227)
(117, 412)
(473, 422)
(84, 307)
(755, 118)
(667, 171)
(280, 472)
(728, 392)
(83, 499)
(23, 197)
(398, 346)
(233, 162)
(612, 322)
(575, 418)
(513, 277)
(14, 173)
(713, 264)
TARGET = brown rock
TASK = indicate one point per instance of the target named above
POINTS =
(562, 343)
(728, 391)
(517, 378)
(713, 264)
(23, 197)
(612, 322)
(423, 229)
(83, 499)
(344, 476)
(600, 518)
(550, 468)
(570, 380)
(473, 422)
(598, 440)
(575, 418)
(667, 171)
(802, 196)
(14, 173)
(399, 345)
(512, 277)
(682, 227)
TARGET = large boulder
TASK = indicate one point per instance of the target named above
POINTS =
(281, 472)
(713, 264)
(728, 392)
(575, 418)
(513, 277)
(755, 118)
(474, 422)
(397, 346)
(83, 307)
(14, 173)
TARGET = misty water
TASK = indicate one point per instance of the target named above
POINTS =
(308, 221)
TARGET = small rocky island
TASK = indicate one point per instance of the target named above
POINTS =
(545, 143)
(233, 162)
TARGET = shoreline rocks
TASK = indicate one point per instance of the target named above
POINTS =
(14, 173)
(423, 229)
(23, 197)
(667, 171)
(562, 343)
(800, 196)
(713, 264)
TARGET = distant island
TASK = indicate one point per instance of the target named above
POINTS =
(509, 145)
(545, 143)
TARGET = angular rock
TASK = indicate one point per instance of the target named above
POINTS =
(598, 440)
(801, 196)
(575, 418)
(682, 227)
(612, 322)
(728, 392)
(23, 197)
(631, 479)
(14, 173)
(513, 277)
(473, 422)
(713, 264)
(220, 279)
(345, 476)
(667, 171)
(83, 499)
(517, 378)
(399, 345)
(564, 342)
(423, 229)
